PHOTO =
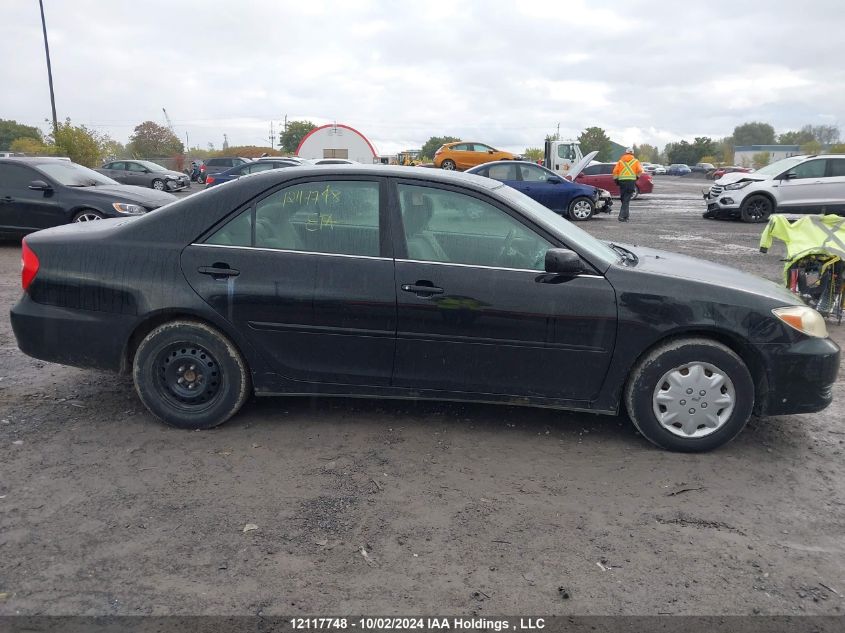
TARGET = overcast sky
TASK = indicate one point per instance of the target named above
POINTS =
(506, 73)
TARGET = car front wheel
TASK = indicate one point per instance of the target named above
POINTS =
(88, 215)
(581, 209)
(190, 376)
(756, 209)
(158, 184)
(448, 165)
(690, 395)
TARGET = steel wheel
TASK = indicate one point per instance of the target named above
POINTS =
(580, 209)
(87, 216)
(694, 400)
(188, 376)
(158, 184)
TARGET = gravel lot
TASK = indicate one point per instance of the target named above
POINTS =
(460, 509)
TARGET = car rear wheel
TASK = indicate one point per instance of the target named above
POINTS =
(690, 395)
(190, 376)
(158, 184)
(448, 165)
(581, 209)
(756, 209)
(88, 215)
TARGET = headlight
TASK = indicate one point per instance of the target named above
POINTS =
(604, 193)
(128, 209)
(804, 319)
(738, 185)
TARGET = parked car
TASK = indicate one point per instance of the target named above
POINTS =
(601, 175)
(576, 201)
(799, 184)
(721, 171)
(216, 165)
(655, 169)
(702, 168)
(37, 193)
(248, 168)
(145, 173)
(334, 161)
(382, 281)
(678, 169)
(463, 155)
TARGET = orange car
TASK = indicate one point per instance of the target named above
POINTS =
(463, 155)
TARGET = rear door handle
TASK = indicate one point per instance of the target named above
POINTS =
(218, 271)
(422, 290)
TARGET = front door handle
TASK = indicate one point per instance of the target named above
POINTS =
(218, 271)
(422, 290)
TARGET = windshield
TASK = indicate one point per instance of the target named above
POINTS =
(73, 175)
(571, 234)
(151, 166)
(780, 166)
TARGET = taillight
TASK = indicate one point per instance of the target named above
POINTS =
(29, 265)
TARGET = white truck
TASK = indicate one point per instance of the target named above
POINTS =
(560, 156)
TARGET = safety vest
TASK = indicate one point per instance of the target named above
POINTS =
(625, 169)
(809, 235)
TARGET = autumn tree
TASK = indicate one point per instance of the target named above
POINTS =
(760, 159)
(248, 151)
(151, 140)
(647, 153)
(433, 144)
(78, 143)
(595, 138)
(533, 153)
(31, 147)
(811, 147)
(293, 134)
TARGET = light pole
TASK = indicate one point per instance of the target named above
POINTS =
(49, 69)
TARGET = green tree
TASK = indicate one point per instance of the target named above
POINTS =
(646, 152)
(78, 143)
(595, 138)
(839, 148)
(760, 159)
(293, 135)
(12, 130)
(533, 153)
(811, 147)
(704, 146)
(725, 150)
(31, 147)
(151, 140)
(111, 149)
(682, 152)
(754, 133)
(433, 144)
(824, 134)
(795, 137)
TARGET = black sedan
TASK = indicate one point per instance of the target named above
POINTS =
(37, 193)
(389, 282)
(145, 173)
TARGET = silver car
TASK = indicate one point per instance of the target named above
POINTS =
(798, 184)
(145, 173)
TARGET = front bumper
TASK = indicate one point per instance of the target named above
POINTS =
(800, 376)
(178, 184)
(723, 203)
(603, 203)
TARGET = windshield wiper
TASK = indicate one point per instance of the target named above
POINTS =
(626, 255)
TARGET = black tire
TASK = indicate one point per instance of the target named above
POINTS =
(179, 354)
(88, 215)
(158, 185)
(756, 209)
(648, 388)
(581, 209)
(448, 165)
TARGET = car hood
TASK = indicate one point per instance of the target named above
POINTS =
(736, 176)
(578, 167)
(670, 264)
(171, 173)
(131, 193)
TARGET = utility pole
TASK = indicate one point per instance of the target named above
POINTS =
(558, 132)
(49, 69)
(272, 137)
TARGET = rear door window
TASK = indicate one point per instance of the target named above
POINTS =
(810, 169)
(836, 167)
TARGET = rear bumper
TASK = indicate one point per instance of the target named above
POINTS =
(801, 376)
(82, 338)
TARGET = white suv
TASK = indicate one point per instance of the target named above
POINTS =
(799, 184)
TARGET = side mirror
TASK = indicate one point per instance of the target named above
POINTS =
(563, 261)
(553, 180)
(490, 151)
(789, 175)
(40, 185)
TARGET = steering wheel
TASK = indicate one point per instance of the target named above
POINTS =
(506, 246)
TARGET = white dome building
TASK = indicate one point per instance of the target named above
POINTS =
(337, 141)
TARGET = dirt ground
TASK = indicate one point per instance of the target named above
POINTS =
(373, 507)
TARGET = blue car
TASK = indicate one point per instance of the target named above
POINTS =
(247, 168)
(577, 202)
(678, 169)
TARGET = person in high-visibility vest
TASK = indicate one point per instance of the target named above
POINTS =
(625, 173)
